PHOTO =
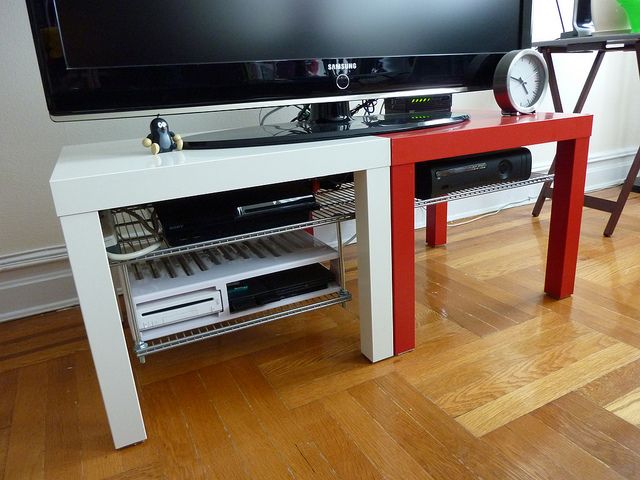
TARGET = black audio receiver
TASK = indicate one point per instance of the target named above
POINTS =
(441, 177)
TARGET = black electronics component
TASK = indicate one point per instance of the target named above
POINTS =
(206, 217)
(438, 178)
(257, 291)
(425, 103)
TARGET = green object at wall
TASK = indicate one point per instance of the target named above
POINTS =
(632, 8)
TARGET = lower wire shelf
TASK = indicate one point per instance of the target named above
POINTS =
(202, 333)
(485, 189)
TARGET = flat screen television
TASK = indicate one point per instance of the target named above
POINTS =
(143, 57)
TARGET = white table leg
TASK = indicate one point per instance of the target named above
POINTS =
(101, 316)
(373, 227)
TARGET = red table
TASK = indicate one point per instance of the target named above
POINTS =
(486, 132)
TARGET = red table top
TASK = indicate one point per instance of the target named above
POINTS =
(486, 131)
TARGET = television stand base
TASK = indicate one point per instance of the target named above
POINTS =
(307, 131)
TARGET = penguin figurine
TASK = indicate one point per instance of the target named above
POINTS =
(161, 139)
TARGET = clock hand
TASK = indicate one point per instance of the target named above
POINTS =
(522, 82)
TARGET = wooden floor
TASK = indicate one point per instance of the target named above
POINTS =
(504, 383)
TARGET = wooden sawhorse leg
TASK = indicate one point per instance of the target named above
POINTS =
(615, 207)
(609, 206)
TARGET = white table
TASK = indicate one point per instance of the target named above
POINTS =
(93, 177)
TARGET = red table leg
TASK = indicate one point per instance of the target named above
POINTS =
(437, 224)
(566, 217)
(402, 241)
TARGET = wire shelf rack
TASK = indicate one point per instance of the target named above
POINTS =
(492, 188)
(156, 345)
(136, 227)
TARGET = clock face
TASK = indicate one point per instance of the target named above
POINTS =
(527, 79)
(520, 81)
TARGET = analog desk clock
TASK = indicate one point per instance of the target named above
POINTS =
(520, 81)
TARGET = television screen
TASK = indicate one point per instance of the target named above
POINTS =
(121, 33)
(148, 56)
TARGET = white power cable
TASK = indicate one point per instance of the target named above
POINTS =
(511, 204)
(507, 205)
(123, 257)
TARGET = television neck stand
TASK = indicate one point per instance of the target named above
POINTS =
(330, 112)
(327, 121)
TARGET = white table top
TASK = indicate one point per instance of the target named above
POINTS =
(114, 174)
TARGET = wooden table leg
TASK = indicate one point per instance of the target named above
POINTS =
(566, 217)
(402, 246)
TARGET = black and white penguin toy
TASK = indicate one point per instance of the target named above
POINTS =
(161, 139)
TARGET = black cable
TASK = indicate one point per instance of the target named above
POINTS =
(269, 113)
(303, 114)
(368, 106)
(560, 15)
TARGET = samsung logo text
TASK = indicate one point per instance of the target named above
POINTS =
(342, 66)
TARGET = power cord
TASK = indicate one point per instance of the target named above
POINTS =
(151, 225)
(261, 119)
(490, 214)
(350, 240)
(517, 203)
(369, 106)
(560, 15)
(123, 257)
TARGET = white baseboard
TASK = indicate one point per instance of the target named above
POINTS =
(35, 282)
(40, 281)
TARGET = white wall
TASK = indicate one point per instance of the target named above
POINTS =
(30, 141)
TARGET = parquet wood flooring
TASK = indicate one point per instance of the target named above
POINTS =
(505, 383)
